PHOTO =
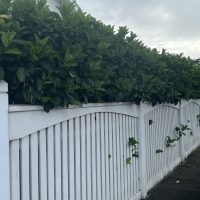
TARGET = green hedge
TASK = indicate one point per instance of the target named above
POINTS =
(56, 59)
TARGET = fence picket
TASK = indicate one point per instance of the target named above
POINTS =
(65, 163)
(77, 159)
(88, 157)
(25, 181)
(34, 166)
(71, 161)
(58, 161)
(15, 170)
(50, 163)
(42, 165)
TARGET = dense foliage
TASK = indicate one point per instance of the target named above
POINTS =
(57, 59)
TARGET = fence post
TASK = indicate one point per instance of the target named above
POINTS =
(142, 152)
(4, 143)
(182, 153)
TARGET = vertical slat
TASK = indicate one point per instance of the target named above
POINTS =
(114, 156)
(107, 158)
(125, 156)
(58, 161)
(50, 163)
(111, 157)
(77, 159)
(88, 153)
(118, 158)
(25, 187)
(71, 160)
(151, 143)
(98, 156)
(128, 155)
(135, 169)
(65, 160)
(43, 165)
(15, 171)
(83, 159)
(133, 159)
(93, 148)
(122, 158)
(102, 144)
(34, 166)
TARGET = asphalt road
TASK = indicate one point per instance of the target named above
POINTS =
(182, 184)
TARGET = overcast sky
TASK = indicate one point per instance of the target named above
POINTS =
(170, 24)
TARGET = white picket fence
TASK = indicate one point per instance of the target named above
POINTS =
(80, 153)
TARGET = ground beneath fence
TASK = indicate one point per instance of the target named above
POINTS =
(182, 184)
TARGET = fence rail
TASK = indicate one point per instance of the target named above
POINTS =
(81, 153)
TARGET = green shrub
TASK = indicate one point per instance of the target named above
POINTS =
(56, 59)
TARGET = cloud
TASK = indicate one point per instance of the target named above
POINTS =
(173, 22)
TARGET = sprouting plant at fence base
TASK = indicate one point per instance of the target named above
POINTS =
(180, 131)
(133, 145)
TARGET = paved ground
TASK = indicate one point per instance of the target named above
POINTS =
(182, 184)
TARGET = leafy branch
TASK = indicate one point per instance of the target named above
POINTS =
(133, 145)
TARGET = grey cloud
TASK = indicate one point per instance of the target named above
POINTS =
(155, 21)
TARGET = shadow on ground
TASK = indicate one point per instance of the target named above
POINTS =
(182, 184)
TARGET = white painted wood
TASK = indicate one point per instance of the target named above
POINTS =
(36, 120)
(42, 165)
(182, 150)
(118, 158)
(71, 161)
(125, 145)
(65, 163)
(93, 154)
(34, 166)
(130, 133)
(78, 176)
(110, 134)
(136, 170)
(25, 181)
(88, 157)
(107, 181)
(50, 163)
(128, 155)
(142, 158)
(15, 170)
(122, 158)
(98, 156)
(114, 155)
(83, 159)
(58, 161)
(73, 156)
(102, 145)
(4, 143)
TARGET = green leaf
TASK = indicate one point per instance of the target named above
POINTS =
(21, 74)
(12, 51)
(2, 73)
(132, 141)
(128, 161)
(46, 99)
(159, 151)
(5, 39)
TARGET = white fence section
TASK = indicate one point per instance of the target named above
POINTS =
(80, 153)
